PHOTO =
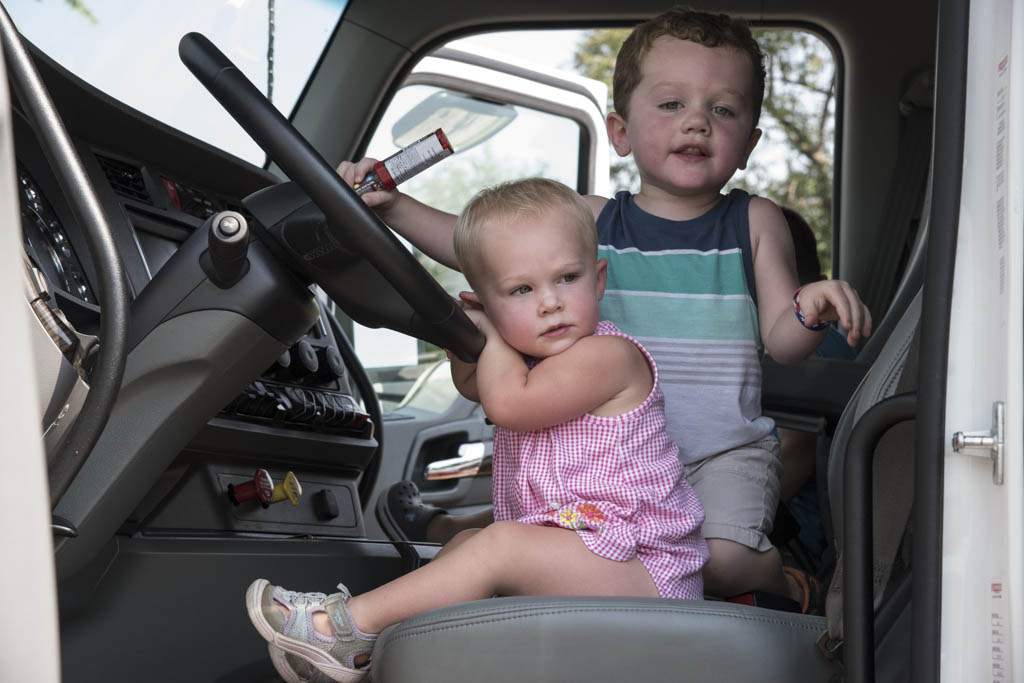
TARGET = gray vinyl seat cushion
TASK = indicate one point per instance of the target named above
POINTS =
(601, 639)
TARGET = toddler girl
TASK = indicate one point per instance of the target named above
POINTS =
(588, 488)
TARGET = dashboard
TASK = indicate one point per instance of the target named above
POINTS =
(158, 187)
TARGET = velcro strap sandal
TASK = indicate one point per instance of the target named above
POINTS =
(295, 635)
(294, 669)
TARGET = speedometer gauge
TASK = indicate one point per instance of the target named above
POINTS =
(47, 242)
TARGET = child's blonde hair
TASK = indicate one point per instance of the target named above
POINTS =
(515, 201)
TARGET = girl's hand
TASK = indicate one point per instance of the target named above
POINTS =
(836, 300)
(469, 303)
(353, 173)
(481, 320)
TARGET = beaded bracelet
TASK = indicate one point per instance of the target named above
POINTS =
(816, 327)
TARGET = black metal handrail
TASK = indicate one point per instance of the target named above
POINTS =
(858, 520)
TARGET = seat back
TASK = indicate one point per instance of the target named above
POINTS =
(884, 379)
(907, 194)
(894, 371)
(909, 287)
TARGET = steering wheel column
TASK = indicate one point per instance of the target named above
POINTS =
(194, 344)
(354, 257)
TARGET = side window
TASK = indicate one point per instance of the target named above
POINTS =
(495, 139)
(794, 163)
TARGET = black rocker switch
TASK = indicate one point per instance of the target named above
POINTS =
(325, 504)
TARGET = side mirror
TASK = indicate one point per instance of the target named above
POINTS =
(466, 121)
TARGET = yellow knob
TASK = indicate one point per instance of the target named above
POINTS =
(290, 488)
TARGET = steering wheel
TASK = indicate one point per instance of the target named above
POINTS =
(430, 313)
(108, 370)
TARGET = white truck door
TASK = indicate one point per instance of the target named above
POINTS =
(30, 643)
(983, 513)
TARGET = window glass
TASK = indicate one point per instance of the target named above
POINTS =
(129, 50)
(793, 164)
(406, 370)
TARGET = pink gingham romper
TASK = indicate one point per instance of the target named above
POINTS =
(617, 481)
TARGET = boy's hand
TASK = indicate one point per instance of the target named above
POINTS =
(353, 173)
(836, 300)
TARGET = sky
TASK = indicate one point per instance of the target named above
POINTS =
(130, 51)
(553, 49)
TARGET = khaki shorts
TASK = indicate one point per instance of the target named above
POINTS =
(739, 490)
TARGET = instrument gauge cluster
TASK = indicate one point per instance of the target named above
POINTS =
(47, 243)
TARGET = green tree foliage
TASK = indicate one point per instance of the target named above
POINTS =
(81, 8)
(595, 58)
(799, 112)
(793, 164)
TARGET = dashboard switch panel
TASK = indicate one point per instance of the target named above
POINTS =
(284, 405)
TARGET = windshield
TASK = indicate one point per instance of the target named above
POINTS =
(129, 50)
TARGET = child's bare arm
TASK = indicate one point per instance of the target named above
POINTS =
(595, 372)
(464, 377)
(785, 339)
(427, 228)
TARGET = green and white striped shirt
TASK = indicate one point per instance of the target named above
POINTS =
(685, 290)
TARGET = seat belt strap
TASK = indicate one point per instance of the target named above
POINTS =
(906, 194)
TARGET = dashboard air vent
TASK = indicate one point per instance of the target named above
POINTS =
(125, 178)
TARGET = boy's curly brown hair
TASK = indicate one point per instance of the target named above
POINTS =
(709, 30)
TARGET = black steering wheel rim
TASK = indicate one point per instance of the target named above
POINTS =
(349, 219)
(108, 370)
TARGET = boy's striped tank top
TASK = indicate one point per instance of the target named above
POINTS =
(685, 290)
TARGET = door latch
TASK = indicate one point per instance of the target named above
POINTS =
(985, 444)
(474, 460)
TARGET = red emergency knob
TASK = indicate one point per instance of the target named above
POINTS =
(261, 489)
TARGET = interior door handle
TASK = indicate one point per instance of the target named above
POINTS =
(474, 460)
